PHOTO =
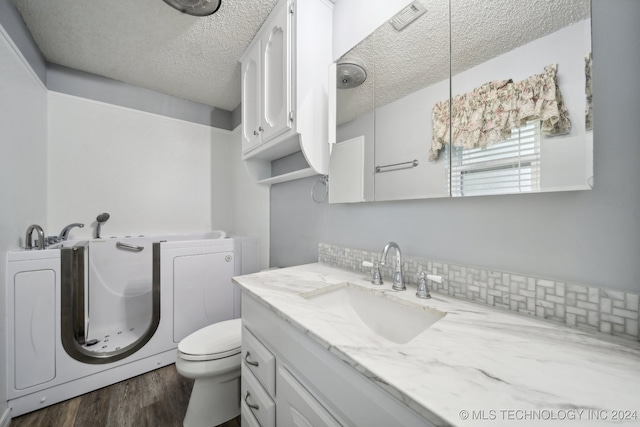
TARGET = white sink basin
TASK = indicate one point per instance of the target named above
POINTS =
(396, 320)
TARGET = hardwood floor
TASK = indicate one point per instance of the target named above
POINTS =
(155, 399)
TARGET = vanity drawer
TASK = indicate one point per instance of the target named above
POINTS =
(255, 402)
(246, 416)
(259, 360)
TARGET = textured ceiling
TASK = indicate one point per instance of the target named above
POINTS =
(149, 44)
(400, 63)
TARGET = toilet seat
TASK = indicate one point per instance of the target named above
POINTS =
(212, 342)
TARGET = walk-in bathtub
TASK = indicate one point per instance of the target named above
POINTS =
(88, 313)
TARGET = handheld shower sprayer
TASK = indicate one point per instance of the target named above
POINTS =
(101, 219)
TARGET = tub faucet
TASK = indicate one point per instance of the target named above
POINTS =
(398, 279)
(64, 234)
(28, 244)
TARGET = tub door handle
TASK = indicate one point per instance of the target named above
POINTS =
(246, 359)
(246, 400)
(129, 247)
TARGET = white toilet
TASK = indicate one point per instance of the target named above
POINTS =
(211, 356)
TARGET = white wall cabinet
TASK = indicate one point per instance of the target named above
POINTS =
(251, 97)
(312, 386)
(266, 81)
(285, 89)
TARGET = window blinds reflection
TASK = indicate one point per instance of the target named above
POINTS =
(509, 166)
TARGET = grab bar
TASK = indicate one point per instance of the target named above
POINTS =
(129, 247)
(411, 164)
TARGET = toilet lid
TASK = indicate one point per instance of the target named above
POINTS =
(215, 341)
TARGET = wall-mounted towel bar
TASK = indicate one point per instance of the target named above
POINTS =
(397, 166)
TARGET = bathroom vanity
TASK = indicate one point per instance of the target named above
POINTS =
(311, 384)
(308, 361)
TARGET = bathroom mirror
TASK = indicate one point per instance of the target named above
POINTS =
(355, 112)
(408, 74)
(412, 74)
(532, 120)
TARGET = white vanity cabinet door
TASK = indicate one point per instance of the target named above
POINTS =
(276, 72)
(296, 407)
(251, 99)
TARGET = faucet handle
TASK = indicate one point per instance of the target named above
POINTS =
(423, 288)
(376, 278)
(51, 240)
(434, 278)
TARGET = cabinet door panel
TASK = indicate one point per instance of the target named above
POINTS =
(203, 291)
(250, 101)
(34, 328)
(295, 406)
(277, 76)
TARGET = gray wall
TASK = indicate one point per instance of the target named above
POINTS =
(91, 86)
(14, 26)
(591, 237)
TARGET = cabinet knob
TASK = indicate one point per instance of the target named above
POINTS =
(260, 129)
(255, 132)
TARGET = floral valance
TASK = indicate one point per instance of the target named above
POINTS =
(588, 113)
(488, 113)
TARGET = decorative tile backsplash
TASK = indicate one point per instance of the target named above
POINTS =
(574, 304)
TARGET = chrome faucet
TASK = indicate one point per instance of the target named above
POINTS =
(398, 279)
(64, 234)
(28, 244)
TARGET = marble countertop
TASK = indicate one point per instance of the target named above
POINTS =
(477, 365)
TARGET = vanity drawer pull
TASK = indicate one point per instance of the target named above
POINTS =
(256, 401)
(246, 400)
(258, 360)
(246, 359)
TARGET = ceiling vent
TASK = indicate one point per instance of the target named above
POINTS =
(407, 15)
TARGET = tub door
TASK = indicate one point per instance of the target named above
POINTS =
(203, 293)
